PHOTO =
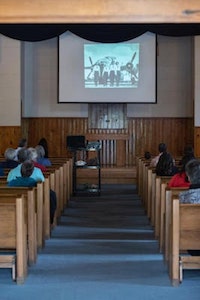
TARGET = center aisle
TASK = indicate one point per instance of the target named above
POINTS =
(102, 249)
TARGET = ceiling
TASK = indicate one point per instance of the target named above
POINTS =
(99, 11)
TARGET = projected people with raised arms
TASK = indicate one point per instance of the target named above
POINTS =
(103, 70)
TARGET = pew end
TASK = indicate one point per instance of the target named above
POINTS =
(8, 261)
(185, 229)
(188, 263)
(13, 236)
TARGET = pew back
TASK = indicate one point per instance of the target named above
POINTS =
(13, 231)
(170, 194)
(184, 235)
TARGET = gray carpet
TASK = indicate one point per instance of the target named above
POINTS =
(102, 249)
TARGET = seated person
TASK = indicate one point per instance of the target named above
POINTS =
(23, 155)
(161, 148)
(41, 159)
(147, 155)
(9, 162)
(33, 157)
(53, 198)
(192, 195)
(22, 144)
(43, 142)
(166, 165)
(188, 153)
(24, 180)
(180, 179)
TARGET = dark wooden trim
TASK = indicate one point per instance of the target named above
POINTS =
(106, 136)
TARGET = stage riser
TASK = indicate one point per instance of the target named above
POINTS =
(110, 175)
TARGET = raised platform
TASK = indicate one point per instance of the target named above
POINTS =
(110, 174)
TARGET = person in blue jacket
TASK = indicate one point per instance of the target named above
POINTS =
(25, 179)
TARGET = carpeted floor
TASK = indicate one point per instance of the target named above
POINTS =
(102, 249)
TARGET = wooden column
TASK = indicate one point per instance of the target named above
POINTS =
(121, 153)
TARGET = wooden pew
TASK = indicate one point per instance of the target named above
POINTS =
(152, 197)
(140, 175)
(61, 184)
(150, 193)
(46, 205)
(7, 196)
(69, 168)
(166, 195)
(145, 166)
(36, 194)
(157, 202)
(184, 235)
(46, 208)
(51, 179)
(145, 191)
(169, 195)
(155, 198)
(137, 164)
(67, 163)
(68, 178)
(164, 187)
(13, 233)
(3, 179)
(57, 178)
(142, 180)
(58, 186)
(8, 261)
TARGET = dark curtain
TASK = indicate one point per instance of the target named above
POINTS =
(106, 33)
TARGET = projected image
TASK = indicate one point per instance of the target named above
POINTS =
(91, 72)
(111, 65)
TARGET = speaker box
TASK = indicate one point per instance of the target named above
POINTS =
(75, 141)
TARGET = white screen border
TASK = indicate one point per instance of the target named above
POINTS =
(71, 73)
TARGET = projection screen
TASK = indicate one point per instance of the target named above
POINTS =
(92, 72)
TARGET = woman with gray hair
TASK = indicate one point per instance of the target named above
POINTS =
(33, 156)
(41, 159)
(192, 195)
(9, 162)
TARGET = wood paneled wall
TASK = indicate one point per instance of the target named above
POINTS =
(119, 147)
(142, 134)
(55, 130)
(175, 132)
(9, 137)
(197, 141)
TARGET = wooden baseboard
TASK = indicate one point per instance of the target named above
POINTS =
(109, 175)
